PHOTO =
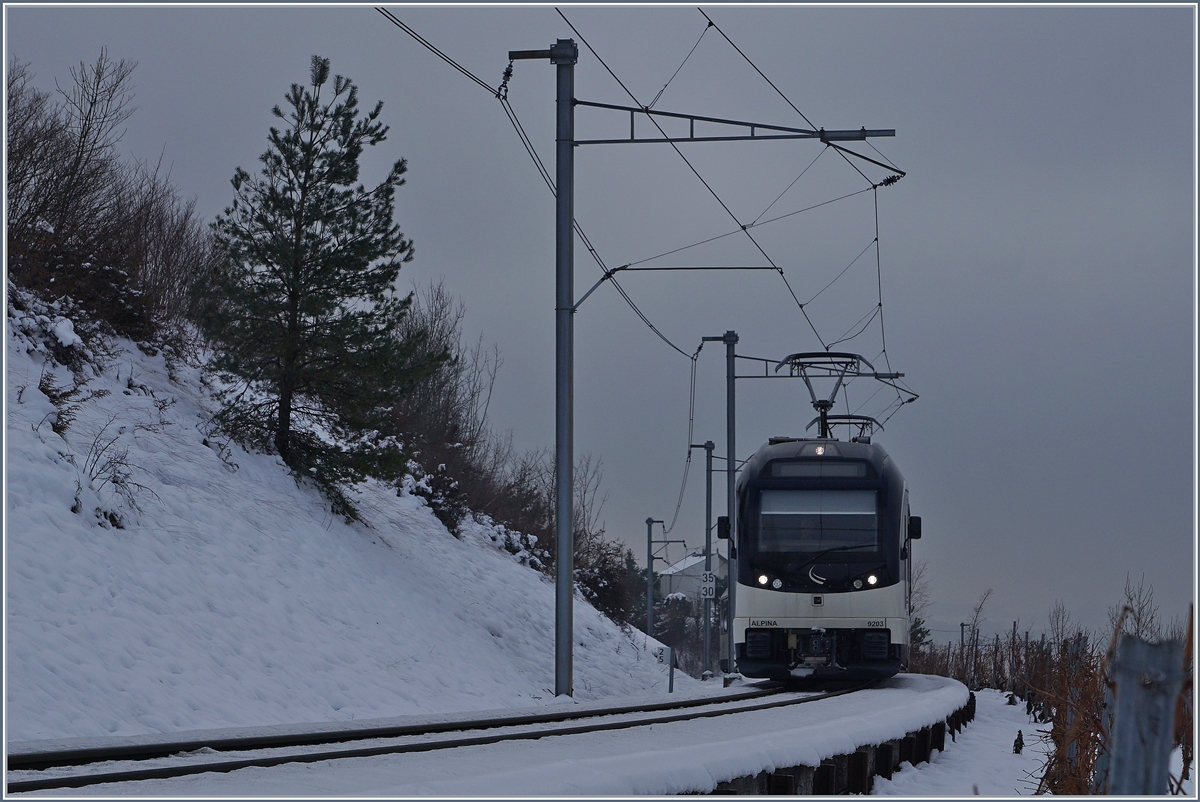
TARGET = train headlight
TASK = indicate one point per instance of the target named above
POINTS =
(857, 584)
(872, 579)
(762, 579)
(777, 584)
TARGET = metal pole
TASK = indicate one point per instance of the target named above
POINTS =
(564, 54)
(1012, 661)
(649, 578)
(731, 340)
(708, 456)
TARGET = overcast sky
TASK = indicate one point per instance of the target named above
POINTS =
(1037, 263)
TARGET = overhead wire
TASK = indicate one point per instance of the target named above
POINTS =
(779, 91)
(687, 463)
(748, 225)
(680, 67)
(842, 273)
(433, 49)
(756, 69)
(842, 153)
(820, 153)
(501, 94)
(675, 147)
(885, 158)
(867, 317)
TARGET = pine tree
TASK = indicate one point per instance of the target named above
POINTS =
(304, 312)
(918, 634)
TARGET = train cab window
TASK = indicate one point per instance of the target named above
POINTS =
(800, 521)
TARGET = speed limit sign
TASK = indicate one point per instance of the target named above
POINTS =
(708, 585)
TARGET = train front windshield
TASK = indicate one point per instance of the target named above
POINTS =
(798, 522)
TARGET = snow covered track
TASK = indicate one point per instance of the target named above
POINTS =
(34, 770)
(32, 758)
(662, 752)
(855, 772)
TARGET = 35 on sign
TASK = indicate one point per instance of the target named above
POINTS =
(708, 585)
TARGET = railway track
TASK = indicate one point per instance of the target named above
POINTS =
(78, 768)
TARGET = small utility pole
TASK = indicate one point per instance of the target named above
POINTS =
(706, 663)
(1012, 660)
(650, 522)
(730, 339)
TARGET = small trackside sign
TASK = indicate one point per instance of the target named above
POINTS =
(763, 622)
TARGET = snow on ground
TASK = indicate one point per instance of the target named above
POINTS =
(981, 761)
(230, 596)
(674, 758)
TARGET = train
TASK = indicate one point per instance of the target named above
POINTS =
(823, 555)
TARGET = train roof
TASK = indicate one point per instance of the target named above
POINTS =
(795, 447)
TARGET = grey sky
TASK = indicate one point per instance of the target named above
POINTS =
(1037, 262)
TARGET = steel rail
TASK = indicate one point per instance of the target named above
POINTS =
(168, 772)
(35, 761)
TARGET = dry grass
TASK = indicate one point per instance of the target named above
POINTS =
(1061, 678)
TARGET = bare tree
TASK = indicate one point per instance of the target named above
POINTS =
(920, 596)
(83, 223)
(1142, 619)
(1060, 624)
(36, 142)
(96, 103)
(977, 611)
(976, 619)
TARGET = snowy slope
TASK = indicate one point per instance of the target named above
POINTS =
(229, 595)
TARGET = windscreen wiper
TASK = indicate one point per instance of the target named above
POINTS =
(821, 554)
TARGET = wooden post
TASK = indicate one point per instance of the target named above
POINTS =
(1100, 772)
(671, 670)
(885, 759)
(938, 737)
(1147, 678)
(860, 767)
(1070, 737)
(824, 779)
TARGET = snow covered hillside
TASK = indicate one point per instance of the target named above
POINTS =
(158, 579)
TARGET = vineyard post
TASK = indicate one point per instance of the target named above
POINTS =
(1147, 679)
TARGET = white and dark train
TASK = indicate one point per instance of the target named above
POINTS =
(823, 557)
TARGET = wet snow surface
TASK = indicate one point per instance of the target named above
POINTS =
(217, 594)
